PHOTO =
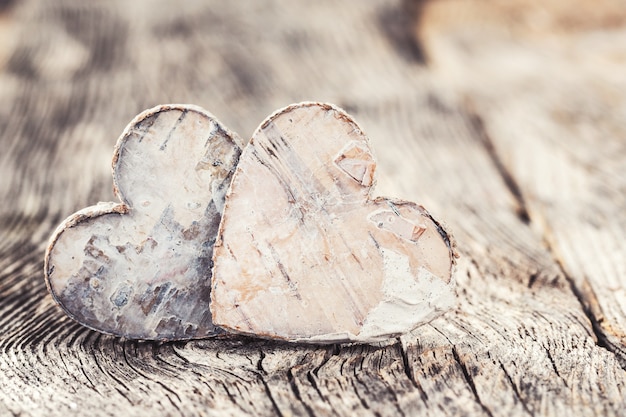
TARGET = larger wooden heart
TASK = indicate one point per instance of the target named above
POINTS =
(304, 254)
(141, 268)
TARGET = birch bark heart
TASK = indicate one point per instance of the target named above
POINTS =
(304, 254)
(141, 268)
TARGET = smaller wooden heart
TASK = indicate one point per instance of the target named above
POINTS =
(304, 254)
(142, 268)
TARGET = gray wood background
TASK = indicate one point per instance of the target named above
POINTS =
(507, 119)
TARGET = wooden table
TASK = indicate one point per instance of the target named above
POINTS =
(507, 119)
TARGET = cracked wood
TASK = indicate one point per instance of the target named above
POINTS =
(527, 337)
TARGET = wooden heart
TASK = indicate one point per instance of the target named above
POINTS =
(304, 254)
(141, 268)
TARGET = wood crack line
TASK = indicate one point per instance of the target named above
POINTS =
(268, 392)
(261, 375)
(515, 390)
(523, 214)
(408, 370)
(470, 381)
(602, 339)
(296, 391)
(506, 175)
(148, 378)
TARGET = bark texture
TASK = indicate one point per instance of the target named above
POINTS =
(141, 268)
(304, 253)
(505, 119)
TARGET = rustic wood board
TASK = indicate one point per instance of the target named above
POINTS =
(558, 134)
(526, 170)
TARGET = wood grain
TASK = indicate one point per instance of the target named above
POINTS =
(521, 154)
(542, 125)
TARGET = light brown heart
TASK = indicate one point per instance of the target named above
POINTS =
(140, 268)
(304, 253)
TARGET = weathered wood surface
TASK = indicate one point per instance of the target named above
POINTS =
(511, 132)
(559, 134)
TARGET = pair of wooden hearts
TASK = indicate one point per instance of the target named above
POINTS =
(279, 241)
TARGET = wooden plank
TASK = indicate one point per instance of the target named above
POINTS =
(519, 342)
(555, 123)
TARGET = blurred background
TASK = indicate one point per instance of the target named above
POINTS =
(73, 74)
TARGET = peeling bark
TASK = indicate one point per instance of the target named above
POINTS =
(300, 233)
(142, 268)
